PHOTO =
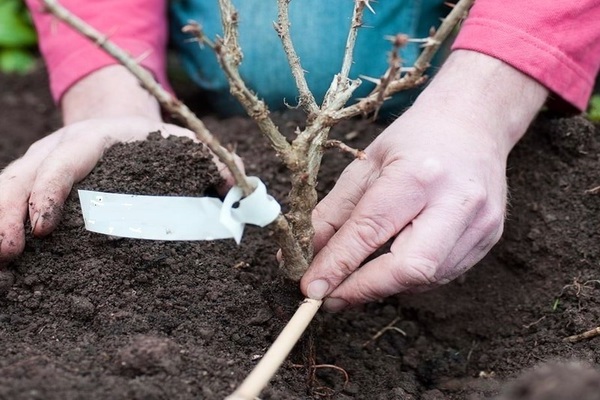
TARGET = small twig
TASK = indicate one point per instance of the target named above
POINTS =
(358, 154)
(527, 326)
(167, 101)
(583, 336)
(594, 190)
(383, 330)
(277, 353)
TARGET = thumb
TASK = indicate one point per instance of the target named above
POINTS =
(376, 219)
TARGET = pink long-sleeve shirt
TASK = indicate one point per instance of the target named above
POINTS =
(555, 42)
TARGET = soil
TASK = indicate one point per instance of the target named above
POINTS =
(86, 316)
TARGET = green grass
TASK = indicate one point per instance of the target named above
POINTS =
(594, 108)
(17, 38)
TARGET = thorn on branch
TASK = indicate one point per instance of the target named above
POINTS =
(367, 3)
(376, 81)
(426, 42)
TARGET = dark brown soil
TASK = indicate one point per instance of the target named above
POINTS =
(85, 316)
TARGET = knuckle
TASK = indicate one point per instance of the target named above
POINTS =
(492, 223)
(417, 271)
(429, 172)
(477, 196)
(318, 213)
(342, 269)
(373, 231)
(365, 292)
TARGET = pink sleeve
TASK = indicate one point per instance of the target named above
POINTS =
(556, 42)
(138, 26)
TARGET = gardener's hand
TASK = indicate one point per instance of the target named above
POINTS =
(103, 109)
(433, 182)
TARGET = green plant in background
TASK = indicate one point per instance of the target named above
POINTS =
(594, 108)
(17, 37)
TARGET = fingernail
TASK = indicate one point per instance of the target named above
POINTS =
(34, 220)
(333, 304)
(317, 289)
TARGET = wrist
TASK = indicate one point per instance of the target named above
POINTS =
(487, 93)
(109, 92)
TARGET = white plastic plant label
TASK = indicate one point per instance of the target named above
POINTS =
(178, 218)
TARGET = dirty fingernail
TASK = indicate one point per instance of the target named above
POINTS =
(333, 304)
(317, 289)
(34, 220)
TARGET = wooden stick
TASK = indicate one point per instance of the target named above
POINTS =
(278, 352)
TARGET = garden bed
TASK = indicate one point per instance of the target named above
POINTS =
(86, 316)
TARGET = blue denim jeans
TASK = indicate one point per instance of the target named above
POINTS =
(319, 29)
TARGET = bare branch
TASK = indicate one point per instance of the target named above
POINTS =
(357, 21)
(358, 154)
(166, 100)
(342, 86)
(393, 71)
(282, 27)
(229, 21)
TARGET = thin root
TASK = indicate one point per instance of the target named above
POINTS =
(388, 327)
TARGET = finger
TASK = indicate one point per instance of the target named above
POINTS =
(337, 206)
(70, 162)
(14, 181)
(475, 243)
(167, 130)
(383, 211)
(416, 258)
